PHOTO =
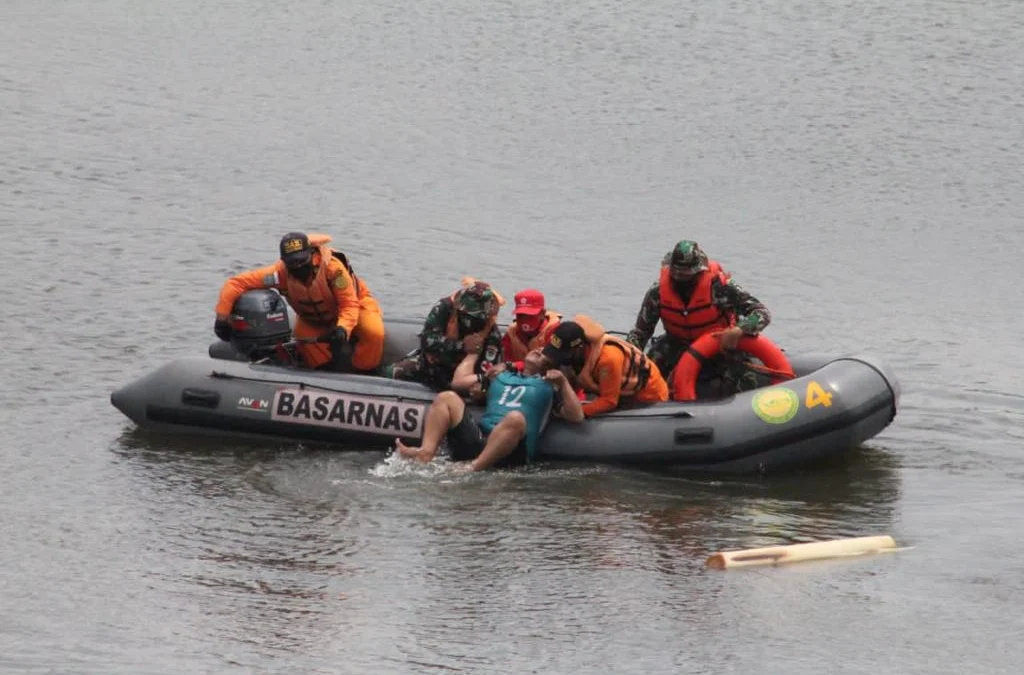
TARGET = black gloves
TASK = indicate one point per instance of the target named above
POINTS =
(222, 327)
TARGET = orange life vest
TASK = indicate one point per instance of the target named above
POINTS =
(320, 240)
(314, 303)
(637, 371)
(690, 320)
(519, 348)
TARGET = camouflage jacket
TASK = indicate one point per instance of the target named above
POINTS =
(440, 351)
(751, 316)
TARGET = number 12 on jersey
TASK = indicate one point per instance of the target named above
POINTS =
(512, 397)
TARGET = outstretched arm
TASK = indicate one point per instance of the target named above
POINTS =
(609, 381)
(263, 277)
(569, 407)
(465, 374)
(752, 316)
(648, 317)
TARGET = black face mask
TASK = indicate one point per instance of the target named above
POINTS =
(303, 272)
(684, 288)
(471, 324)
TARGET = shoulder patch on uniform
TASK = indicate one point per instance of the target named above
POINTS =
(602, 373)
(340, 281)
(491, 353)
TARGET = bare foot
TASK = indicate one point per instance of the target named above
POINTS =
(405, 450)
(411, 452)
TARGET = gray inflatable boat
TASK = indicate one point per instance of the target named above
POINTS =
(833, 405)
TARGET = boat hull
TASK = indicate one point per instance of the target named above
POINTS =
(833, 406)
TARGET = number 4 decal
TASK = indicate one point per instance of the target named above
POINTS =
(817, 396)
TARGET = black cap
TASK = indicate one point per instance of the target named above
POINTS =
(295, 249)
(568, 336)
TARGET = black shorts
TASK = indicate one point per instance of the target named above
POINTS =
(466, 440)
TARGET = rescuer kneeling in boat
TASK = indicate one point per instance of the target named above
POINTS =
(519, 404)
(464, 323)
(694, 296)
(532, 327)
(339, 324)
(610, 368)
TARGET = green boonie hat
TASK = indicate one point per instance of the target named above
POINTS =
(688, 255)
(477, 300)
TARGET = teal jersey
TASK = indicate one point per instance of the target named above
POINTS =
(532, 396)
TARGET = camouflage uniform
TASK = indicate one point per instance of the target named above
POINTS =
(725, 374)
(434, 363)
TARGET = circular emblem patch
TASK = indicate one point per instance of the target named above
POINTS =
(776, 405)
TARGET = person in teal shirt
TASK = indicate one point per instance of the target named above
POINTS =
(519, 404)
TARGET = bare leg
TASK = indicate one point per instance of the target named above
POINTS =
(501, 441)
(445, 412)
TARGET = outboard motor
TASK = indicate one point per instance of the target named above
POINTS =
(259, 321)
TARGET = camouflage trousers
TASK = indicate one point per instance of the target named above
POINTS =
(417, 369)
(724, 375)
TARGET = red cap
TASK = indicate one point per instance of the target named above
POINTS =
(530, 302)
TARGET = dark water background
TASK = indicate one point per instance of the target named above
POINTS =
(856, 165)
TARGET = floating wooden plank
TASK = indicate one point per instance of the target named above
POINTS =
(817, 550)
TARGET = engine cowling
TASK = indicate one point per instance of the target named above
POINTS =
(259, 321)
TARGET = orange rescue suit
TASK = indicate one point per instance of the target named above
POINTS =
(689, 320)
(512, 343)
(333, 297)
(615, 369)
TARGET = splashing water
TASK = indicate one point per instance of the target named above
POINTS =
(396, 466)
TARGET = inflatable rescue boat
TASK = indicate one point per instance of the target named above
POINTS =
(832, 405)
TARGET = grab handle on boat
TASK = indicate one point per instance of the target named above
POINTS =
(695, 435)
(203, 398)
